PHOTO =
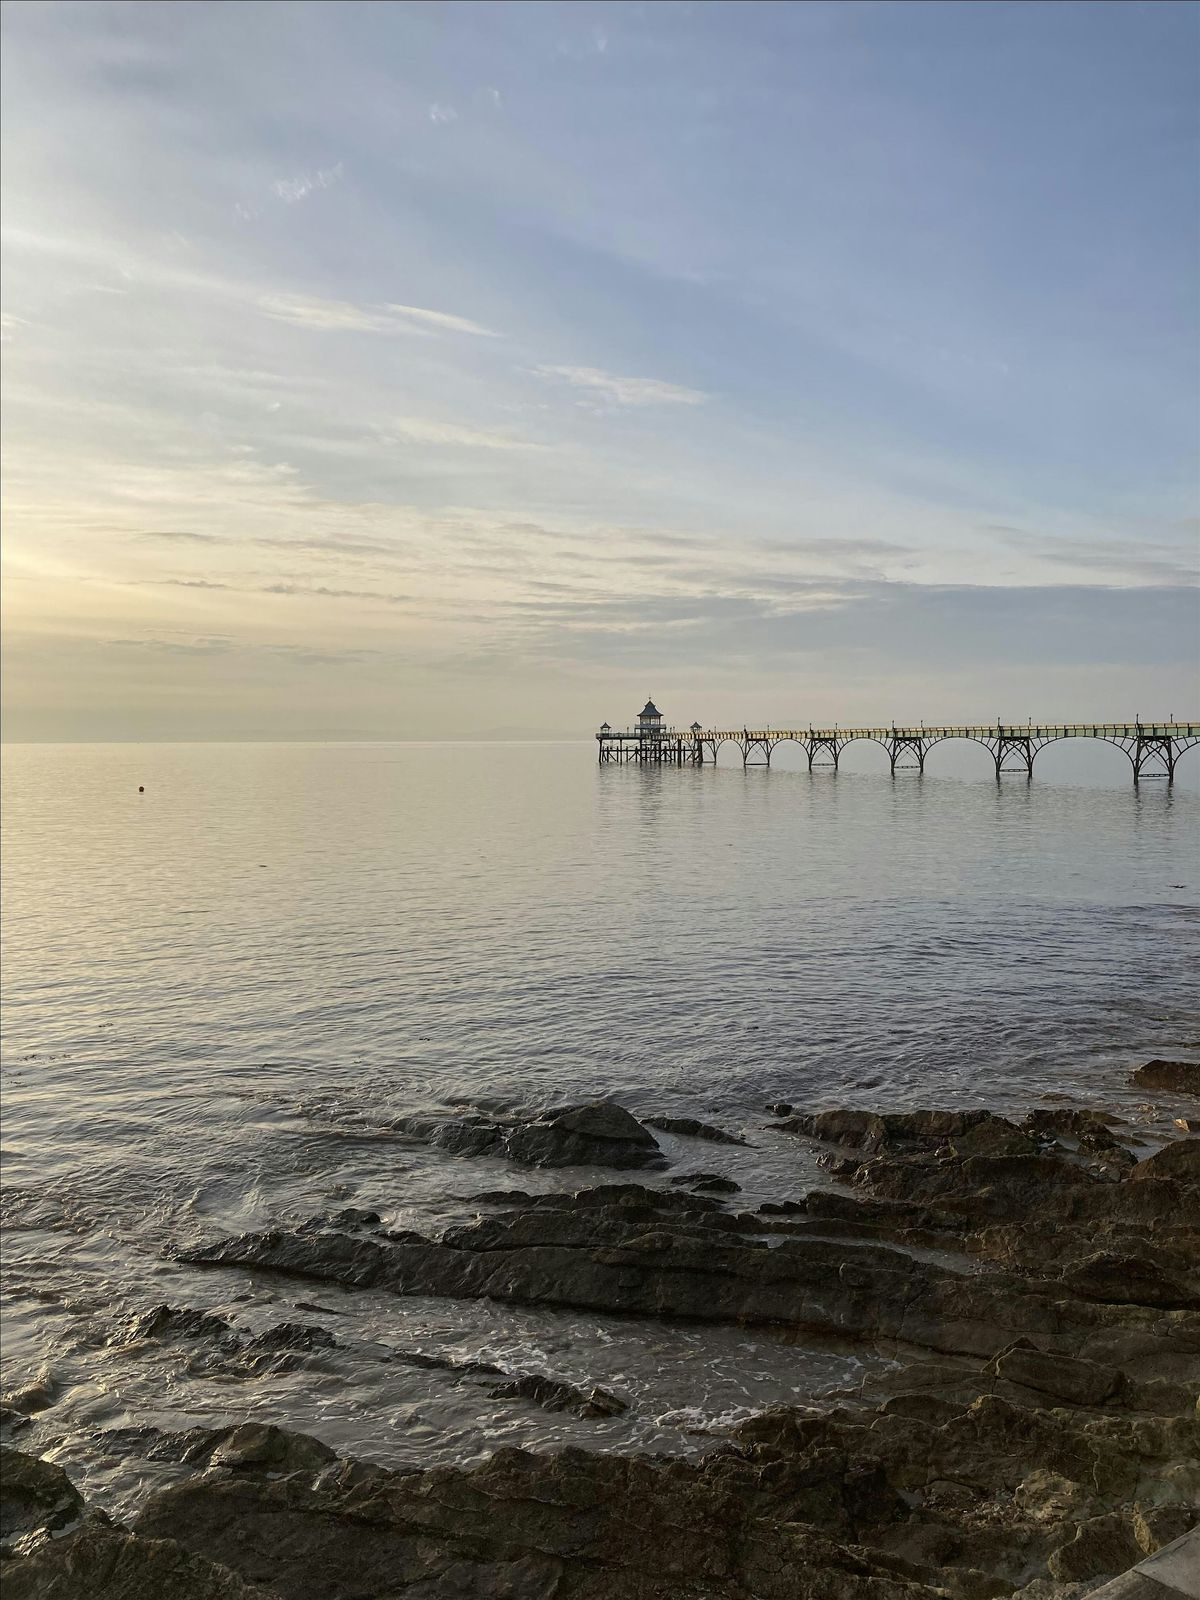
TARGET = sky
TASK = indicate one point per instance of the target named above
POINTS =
(476, 370)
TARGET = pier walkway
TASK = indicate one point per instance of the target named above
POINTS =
(1153, 748)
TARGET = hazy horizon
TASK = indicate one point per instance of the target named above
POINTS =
(472, 371)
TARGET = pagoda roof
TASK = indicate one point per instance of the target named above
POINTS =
(649, 710)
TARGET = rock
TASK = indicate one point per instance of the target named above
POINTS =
(1169, 1077)
(172, 1322)
(12, 1419)
(1128, 1280)
(34, 1497)
(597, 1134)
(37, 1395)
(691, 1129)
(1054, 1122)
(780, 1108)
(102, 1562)
(1083, 1383)
(600, 1134)
(840, 1166)
(267, 1448)
(859, 1129)
(1180, 1160)
(527, 1527)
(657, 1253)
(292, 1336)
(556, 1396)
(1100, 1548)
(357, 1217)
(708, 1183)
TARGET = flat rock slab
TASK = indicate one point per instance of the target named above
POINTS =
(1169, 1574)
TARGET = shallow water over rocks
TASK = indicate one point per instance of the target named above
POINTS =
(227, 998)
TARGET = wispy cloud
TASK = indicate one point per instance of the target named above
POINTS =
(345, 316)
(442, 113)
(442, 319)
(1116, 561)
(290, 190)
(616, 390)
(418, 430)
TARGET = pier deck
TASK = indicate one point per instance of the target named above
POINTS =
(1153, 748)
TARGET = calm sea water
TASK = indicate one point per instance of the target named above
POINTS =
(222, 992)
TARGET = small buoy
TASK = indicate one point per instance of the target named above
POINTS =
(141, 788)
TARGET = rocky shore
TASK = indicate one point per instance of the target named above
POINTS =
(1036, 1284)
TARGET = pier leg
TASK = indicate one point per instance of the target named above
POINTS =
(1155, 745)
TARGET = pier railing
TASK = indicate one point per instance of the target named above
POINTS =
(1153, 748)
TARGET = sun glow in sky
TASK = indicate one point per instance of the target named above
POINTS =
(405, 370)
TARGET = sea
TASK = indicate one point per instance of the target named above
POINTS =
(231, 970)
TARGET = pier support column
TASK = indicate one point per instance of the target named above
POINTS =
(1009, 744)
(1155, 755)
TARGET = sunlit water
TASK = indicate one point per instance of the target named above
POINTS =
(222, 992)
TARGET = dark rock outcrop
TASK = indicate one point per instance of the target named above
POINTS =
(691, 1129)
(34, 1495)
(1050, 1441)
(554, 1395)
(599, 1134)
(656, 1253)
(100, 1561)
(1169, 1077)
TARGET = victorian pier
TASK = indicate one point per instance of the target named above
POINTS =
(1153, 748)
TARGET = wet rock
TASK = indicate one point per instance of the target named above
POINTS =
(1180, 1160)
(34, 1396)
(859, 1129)
(103, 1562)
(357, 1217)
(554, 1395)
(470, 1369)
(977, 1131)
(839, 1166)
(35, 1496)
(1169, 1077)
(691, 1129)
(587, 1527)
(1055, 1122)
(292, 1336)
(780, 1108)
(599, 1134)
(13, 1420)
(264, 1448)
(653, 1253)
(174, 1322)
(708, 1183)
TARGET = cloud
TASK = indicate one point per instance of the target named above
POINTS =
(344, 316)
(1124, 561)
(442, 113)
(417, 430)
(290, 190)
(624, 391)
(442, 319)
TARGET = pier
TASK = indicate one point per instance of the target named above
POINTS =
(1153, 748)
